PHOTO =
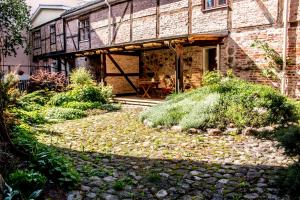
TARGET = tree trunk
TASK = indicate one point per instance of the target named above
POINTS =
(2, 185)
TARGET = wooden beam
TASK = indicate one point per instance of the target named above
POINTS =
(133, 47)
(104, 67)
(179, 68)
(190, 11)
(122, 72)
(118, 74)
(157, 18)
(152, 44)
(131, 21)
(116, 49)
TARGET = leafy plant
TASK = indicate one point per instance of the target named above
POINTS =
(153, 177)
(275, 61)
(210, 78)
(47, 160)
(44, 80)
(27, 180)
(221, 102)
(82, 105)
(11, 194)
(63, 113)
(61, 98)
(121, 184)
(81, 77)
(90, 93)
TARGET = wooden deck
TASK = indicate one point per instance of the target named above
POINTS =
(138, 101)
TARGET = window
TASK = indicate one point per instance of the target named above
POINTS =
(52, 34)
(84, 30)
(209, 4)
(37, 39)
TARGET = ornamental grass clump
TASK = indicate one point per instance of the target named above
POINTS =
(223, 100)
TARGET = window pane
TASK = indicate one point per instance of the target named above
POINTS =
(210, 3)
(82, 34)
(222, 2)
(86, 23)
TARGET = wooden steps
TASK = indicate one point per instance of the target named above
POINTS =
(136, 101)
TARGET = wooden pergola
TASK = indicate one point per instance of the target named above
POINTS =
(175, 44)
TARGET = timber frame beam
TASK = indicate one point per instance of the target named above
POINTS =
(122, 73)
(155, 44)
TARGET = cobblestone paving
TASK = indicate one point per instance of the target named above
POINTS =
(119, 158)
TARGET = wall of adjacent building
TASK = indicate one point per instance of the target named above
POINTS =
(138, 20)
(246, 21)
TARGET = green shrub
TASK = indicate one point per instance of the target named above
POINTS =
(27, 180)
(81, 77)
(210, 78)
(110, 107)
(91, 94)
(63, 113)
(35, 100)
(48, 161)
(223, 101)
(82, 105)
(30, 117)
(289, 139)
(289, 181)
(61, 98)
(122, 183)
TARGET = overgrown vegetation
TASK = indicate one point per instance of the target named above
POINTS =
(289, 139)
(223, 101)
(227, 100)
(42, 107)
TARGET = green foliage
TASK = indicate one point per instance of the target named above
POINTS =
(30, 117)
(289, 181)
(48, 161)
(63, 113)
(91, 93)
(275, 62)
(210, 78)
(289, 138)
(14, 20)
(27, 180)
(61, 98)
(81, 77)
(82, 105)
(153, 177)
(35, 100)
(11, 194)
(122, 183)
(223, 101)
(111, 107)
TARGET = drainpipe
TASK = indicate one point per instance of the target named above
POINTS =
(285, 45)
(109, 22)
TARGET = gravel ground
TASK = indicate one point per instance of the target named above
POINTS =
(119, 158)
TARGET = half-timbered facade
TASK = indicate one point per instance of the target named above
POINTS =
(123, 41)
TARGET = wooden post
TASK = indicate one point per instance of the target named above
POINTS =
(179, 68)
(103, 60)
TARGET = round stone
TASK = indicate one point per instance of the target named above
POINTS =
(91, 195)
(251, 196)
(161, 194)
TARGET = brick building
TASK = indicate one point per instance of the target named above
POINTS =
(122, 41)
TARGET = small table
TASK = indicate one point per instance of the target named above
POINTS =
(146, 86)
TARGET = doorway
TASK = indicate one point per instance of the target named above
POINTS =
(211, 59)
